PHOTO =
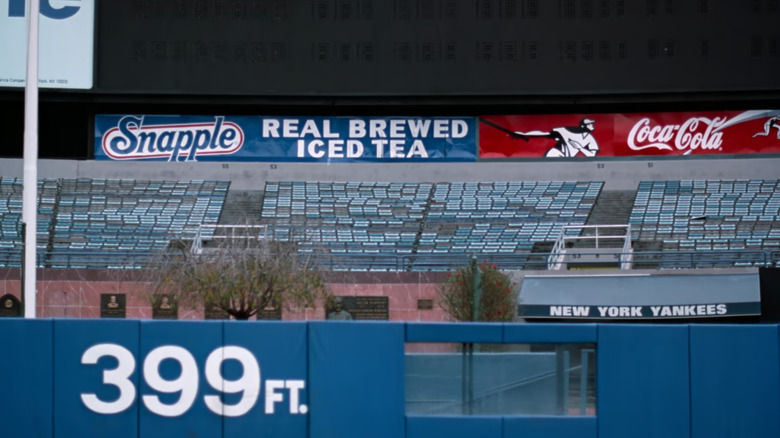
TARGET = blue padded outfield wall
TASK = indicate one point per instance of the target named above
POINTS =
(143, 378)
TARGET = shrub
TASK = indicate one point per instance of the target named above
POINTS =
(498, 300)
(241, 276)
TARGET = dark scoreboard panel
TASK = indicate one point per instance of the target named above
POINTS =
(435, 47)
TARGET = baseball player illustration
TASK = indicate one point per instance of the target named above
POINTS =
(773, 122)
(570, 141)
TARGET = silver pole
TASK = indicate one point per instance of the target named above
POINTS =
(30, 181)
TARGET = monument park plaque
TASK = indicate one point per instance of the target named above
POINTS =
(10, 306)
(358, 308)
(112, 305)
(423, 304)
(165, 307)
(212, 311)
(273, 312)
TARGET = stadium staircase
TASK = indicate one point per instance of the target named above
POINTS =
(49, 206)
(242, 207)
(613, 207)
(442, 228)
(540, 253)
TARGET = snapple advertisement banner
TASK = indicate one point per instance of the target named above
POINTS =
(626, 135)
(435, 139)
(309, 139)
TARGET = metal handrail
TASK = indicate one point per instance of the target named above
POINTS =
(539, 261)
(559, 248)
(210, 232)
(133, 259)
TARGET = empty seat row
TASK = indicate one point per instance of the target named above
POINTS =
(708, 214)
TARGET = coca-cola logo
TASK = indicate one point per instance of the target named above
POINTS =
(694, 133)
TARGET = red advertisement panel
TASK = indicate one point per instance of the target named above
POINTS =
(625, 135)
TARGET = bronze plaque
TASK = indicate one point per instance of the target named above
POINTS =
(358, 308)
(10, 306)
(112, 305)
(214, 312)
(424, 304)
(270, 312)
(164, 307)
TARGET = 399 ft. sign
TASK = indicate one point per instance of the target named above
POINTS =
(187, 383)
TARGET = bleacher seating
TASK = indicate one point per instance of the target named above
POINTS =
(397, 226)
(11, 213)
(347, 218)
(11, 238)
(503, 217)
(81, 222)
(382, 221)
(708, 215)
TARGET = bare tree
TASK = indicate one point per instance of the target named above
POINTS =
(240, 273)
(491, 296)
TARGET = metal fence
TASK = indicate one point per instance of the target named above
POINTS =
(136, 259)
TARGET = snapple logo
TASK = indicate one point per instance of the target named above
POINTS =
(131, 139)
(16, 8)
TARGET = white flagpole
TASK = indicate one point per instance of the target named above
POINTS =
(30, 180)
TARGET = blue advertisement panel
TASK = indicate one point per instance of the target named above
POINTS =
(659, 396)
(292, 139)
(26, 406)
(320, 379)
(181, 390)
(157, 378)
(266, 385)
(356, 373)
(744, 362)
(96, 378)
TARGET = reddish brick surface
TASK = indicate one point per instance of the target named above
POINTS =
(76, 294)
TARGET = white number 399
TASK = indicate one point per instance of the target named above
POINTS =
(186, 384)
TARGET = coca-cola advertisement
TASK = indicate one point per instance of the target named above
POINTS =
(634, 134)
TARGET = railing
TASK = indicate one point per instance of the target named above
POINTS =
(134, 259)
(217, 233)
(774, 258)
(566, 240)
(79, 259)
(539, 261)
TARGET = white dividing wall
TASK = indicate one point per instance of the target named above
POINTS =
(617, 174)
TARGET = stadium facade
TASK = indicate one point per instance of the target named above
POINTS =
(404, 138)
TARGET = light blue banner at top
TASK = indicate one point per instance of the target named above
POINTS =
(304, 139)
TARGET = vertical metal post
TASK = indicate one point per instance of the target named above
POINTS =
(471, 377)
(466, 379)
(584, 381)
(30, 166)
(566, 367)
(463, 389)
(22, 301)
(597, 237)
(477, 291)
(475, 275)
(562, 378)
